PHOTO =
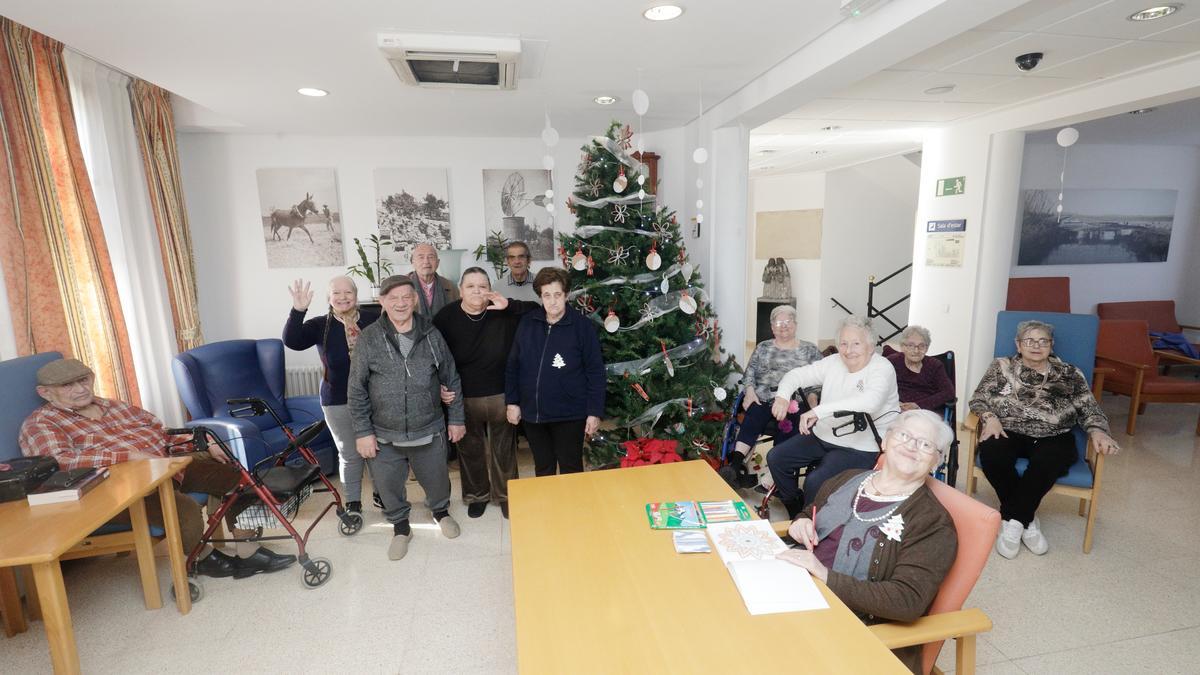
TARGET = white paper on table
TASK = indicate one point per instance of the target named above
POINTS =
(767, 585)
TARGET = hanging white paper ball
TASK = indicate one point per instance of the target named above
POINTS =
(549, 207)
(1058, 208)
(720, 394)
(579, 262)
(653, 260)
(550, 193)
(687, 271)
(1067, 136)
(687, 304)
(641, 194)
(612, 322)
(641, 179)
(548, 163)
(699, 217)
(699, 203)
(620, 183)
(641, 101)
(700, 156)
(665, 285)
(550, 136)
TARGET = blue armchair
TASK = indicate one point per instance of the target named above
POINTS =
(18, 379)
(1075, 343)
(209, 375)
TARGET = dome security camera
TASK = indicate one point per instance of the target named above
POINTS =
(1027, 62)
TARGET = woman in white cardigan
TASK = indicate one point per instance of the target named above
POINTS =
(856, 379)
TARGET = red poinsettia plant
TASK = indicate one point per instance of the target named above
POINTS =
(643, 451)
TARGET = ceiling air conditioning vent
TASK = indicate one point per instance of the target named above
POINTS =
(453, 61)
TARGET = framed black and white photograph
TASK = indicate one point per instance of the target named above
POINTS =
(514, 203)
(301, 217)
(1096, 226)
(412, 206)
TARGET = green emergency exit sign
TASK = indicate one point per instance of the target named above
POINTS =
(951, 186)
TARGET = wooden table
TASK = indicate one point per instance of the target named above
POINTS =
(40, 535)
(598, 591)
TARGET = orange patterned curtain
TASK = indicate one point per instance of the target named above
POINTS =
(154, 122)
(57, 270)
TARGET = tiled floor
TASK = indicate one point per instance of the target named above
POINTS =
(1131, 606)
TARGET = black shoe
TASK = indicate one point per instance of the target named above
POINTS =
(794, 506)
(504, 509)
(263, 560)
(734, 472)
(217, 564)
(377, 500)
(476, 510)
(354, 507)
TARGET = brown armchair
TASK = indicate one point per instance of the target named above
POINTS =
(1123, 346)
(1160, 315)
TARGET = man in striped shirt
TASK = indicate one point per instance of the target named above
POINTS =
(80, 430)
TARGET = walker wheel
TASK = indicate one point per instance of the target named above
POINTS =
(316, 572)
(195, 590)
(350, 523)
(763, 511)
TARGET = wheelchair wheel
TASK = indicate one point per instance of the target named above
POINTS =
(316, 572)
(350, 523)
(195, 589)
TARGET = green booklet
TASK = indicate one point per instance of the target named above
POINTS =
(694, 515)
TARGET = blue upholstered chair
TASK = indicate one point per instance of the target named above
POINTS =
(209, 375)
(1075, 343)
(18, 381)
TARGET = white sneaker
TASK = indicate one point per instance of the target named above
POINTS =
(1008, 544)
(1034, 540)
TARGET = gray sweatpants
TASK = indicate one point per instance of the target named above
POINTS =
(389, 469)
(350, 463)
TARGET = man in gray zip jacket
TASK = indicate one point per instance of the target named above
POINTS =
(399, 367)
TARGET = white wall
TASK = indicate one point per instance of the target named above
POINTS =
(867, 231)
(791, 192)
(1095, 166)
(239, 296)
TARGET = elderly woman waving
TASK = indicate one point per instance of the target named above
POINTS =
(880, 539)
(1028, 404)
(855, 379)
(768, 364)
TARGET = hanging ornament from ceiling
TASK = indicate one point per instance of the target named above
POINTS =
(1066, 138)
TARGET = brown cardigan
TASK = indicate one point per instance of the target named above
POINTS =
(905, 575)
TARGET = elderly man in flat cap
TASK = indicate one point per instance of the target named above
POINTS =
(79, 429)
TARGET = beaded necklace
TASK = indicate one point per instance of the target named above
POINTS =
(858, 494)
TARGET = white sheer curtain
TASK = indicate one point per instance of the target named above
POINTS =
(100, 97)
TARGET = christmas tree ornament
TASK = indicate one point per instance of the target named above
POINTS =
(687, 304)
(625, 138)
(700, 156)
(548, 163)
(667, 361)
(641, 194)
(653, 260)
(641, 179)
(620, 213)
(579, 260)
(687, 271)
(594, 188)
(591, 266)
(612, 322)
(641, 101)
(621, 181)
(679, 428)
(665, 285)
(641, 392)
(720, 394)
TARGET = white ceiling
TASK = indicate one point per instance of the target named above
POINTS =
(243, 60)
(1174, 124)
(884, 114)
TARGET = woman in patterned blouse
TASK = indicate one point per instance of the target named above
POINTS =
(768, 364)
(1028, 403)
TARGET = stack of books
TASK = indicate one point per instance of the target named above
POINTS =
(67, 486)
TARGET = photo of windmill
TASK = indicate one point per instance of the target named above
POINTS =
(515, 204)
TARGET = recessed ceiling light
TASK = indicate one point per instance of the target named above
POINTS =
(831, 127)
(1142, 111)
(311, 91)
(1152, 13)
(606, 100)
(939, 90)
(663, 12)
(820, 152)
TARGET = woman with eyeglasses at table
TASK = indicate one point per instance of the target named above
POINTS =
(771, 360)
(921, 379)
(881, 540)
(1027, 404)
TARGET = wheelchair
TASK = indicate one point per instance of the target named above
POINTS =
(272, 492)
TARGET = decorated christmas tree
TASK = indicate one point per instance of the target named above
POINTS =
(669, 383)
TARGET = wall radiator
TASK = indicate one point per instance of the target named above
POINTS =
(303, 381)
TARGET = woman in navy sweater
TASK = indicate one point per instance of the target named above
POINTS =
(555, 378)
(334, 335)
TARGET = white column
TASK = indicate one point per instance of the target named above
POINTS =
(726, 212)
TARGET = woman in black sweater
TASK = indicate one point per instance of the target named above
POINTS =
(334, 335)
(479, 330)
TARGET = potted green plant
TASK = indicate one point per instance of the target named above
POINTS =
(374, 272)
(493, 252)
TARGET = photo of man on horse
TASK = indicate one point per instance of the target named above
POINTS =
(304, 200)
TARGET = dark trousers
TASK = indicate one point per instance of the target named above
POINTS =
(758, 420)
(1049, 459)
(556, 445)
(487, 455)
(787, 459)
(204, 475)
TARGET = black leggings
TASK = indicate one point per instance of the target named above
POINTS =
(556, 445)
(1049, 459)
